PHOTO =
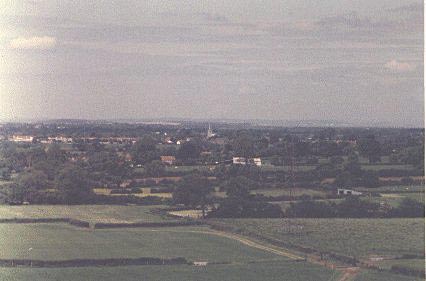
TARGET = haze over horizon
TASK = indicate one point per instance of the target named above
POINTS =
(280, 60)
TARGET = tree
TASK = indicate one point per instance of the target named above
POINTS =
(144, 150)
(238, 187)
(106, 168)
(188, 152)
(371, 148)
(154, 169)
(73, 184)
(243, 146)
(30, 183)
(193, 191)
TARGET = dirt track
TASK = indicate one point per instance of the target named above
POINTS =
(245, 241)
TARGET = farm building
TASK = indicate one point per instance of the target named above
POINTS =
(239, 160)
(342, 191)
(200, 263)
(257, 161)
(169, 160)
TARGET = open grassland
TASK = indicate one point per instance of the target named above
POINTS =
(354, 237)
(395, 199)
(90, 213)
(289, 192)
(409, 263)
(370, 275)
(61, 241)
(270, 271)
(394, 189)
(238, 261)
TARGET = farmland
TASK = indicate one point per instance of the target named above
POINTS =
(60, 242)
(354, 237)
(272, 271)
(91, 213)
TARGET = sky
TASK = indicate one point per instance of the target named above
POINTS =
(359, 62)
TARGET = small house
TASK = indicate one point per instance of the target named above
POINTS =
(342, 191)
(239, 160)
(169, 160)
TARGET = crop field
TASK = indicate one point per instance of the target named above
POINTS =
(90, 213)
(271, 271)
(354, 237)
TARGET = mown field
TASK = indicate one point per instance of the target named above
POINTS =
(91, 213)
(355, 237)
(272, 271)
(289, 192)
(62, 241)
(370, 275)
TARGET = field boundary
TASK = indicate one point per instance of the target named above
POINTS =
(86, 224)
(91, 262)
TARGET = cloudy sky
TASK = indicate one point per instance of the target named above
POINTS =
(353, 61)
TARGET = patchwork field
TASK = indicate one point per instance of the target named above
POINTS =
(355, 237)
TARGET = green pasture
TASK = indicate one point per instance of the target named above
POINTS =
(266, 271)
(90, 213)
(355, 237)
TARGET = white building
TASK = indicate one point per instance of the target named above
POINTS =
(257, 161)
(21, 138)
(239, 160)
(342, 191)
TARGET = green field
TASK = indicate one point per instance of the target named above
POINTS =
(355, 237)
(394, 189)
(91, 213)
(370, 275)
(409, 263)
(287, 192)
(394, 199)
(273, 271)
(61, 241)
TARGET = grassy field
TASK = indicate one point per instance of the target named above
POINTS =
(354, 237)
(287, 192)
(394, 199)
(272, 271)
(91, 213)
(62, 241)
(410, 263)
(393, 189)
(370, 275)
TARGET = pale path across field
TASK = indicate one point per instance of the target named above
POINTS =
(243, 240)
